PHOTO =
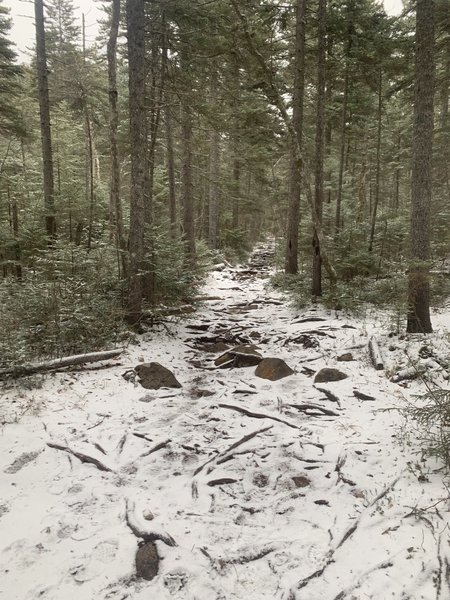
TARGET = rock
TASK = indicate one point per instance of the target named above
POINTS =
(328, 374)
(273, 369)
(200, 393)
(147, 561)
(239, 356)
(153, 376)
(301, 481)
(347, 357)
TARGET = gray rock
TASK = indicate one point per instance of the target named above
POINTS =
(147, 561)
(346, 357)
(273, 369)
(328, 374)
(153, 376)
(239, 356)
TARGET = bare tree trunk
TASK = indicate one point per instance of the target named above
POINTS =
(378, 161)
(138, 140)
(115, 203)
(293, 219)
(419, 320)
(170, 156)
(44, 107)
(186, 170)
(236, 145)
(320, 141)
(214, 159)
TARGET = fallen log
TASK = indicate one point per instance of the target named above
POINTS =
(375, 354)
(59, 363)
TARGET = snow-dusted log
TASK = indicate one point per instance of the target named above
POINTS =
(59, 363)
(375, 354)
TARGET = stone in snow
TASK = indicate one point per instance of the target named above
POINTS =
(328, 374)
(346, 357)
(239, 356)
(147, 561)
(273, 369)
(153, 376)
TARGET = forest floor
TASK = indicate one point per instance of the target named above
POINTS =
(247, 496)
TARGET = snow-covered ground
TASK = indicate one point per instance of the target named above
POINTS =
(324, 507)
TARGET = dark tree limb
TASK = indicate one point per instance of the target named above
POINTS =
(84, 458)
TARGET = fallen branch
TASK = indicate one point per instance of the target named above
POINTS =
(362, 396)
(84, 458)
(233, 446)
(306, 407)
(157, 447)
(254, 415)
(375, 354)
(221, 481)
(58, 363)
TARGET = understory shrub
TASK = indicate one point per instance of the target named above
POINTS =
(67, 302)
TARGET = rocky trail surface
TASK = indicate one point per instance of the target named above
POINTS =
(240, 478)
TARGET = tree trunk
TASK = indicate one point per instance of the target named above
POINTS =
(44, 108)
(186, 170)
(214, 159)
(293, 219)
(320, 142)
(236, 145)
(378, 161)
(419, 271)
(115, 204)
(138, 141)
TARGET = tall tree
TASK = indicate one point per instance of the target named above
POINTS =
(320, 142)
(135, 16)
(115, 205)
(293, 219)
(44, 107)
(419, 320)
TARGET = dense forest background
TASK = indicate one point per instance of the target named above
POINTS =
(191, 130)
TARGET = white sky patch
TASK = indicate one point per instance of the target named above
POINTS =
(393, 7)
(23, 32)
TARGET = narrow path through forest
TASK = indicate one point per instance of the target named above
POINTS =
(248, 488)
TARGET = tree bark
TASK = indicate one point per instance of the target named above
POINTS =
(419, 271)
(44, 108)
(320, 143)
(293, 219)
(138, 141)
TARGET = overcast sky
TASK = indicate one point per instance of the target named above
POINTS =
(22, 13)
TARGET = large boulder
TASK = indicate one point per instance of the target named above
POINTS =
(273, 369)
(328, 374)
(239, 356)
(153, 376)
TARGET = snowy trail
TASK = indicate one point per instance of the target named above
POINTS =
(308, 508)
